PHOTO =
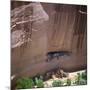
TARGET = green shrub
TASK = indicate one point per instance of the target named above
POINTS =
(82, 82)
(81, 79)
(68, 82)
(84, 75)
(39, 82)
(64, 82)
(57, 83)
(24, 83)
(78, 78)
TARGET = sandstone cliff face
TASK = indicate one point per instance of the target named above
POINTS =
(41, 28)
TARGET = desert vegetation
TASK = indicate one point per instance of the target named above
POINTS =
(40, 81)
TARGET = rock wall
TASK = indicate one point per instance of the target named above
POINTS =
(63, 29)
